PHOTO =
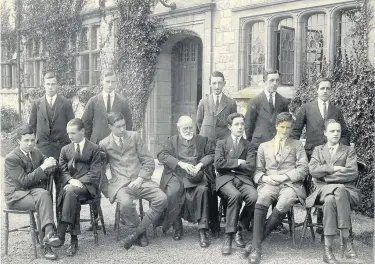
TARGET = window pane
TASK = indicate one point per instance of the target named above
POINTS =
(345, 31)
(95, 69)
(6, 76)
(315, 46)
(30, 74)
(255, 53)
(82, 66)
(83, 41)
(95, 38)
(285, 51)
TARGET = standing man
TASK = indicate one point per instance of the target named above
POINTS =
(281, 168)
(333, 167)
(97, 108)
(80, 164)
(26, 172)
(235, 165)
(131, 166)
(263, 109)
(314, 114)
(49, 116)
(212, 116)
(185, 157)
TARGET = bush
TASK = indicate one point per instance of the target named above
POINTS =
(9, 119)
(353, 90)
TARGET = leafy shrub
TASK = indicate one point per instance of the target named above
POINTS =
(9, 119)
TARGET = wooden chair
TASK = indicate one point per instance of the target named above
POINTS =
(309, 223)
(34, 227)
(117, 218)
(95, 203)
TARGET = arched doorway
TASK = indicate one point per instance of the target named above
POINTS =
(186, 78)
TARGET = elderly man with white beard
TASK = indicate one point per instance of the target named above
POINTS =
(185, 157)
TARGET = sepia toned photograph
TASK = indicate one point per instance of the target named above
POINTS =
(187, 132)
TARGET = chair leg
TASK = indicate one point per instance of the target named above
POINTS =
(342, 250)
(117, 221)
(100, 212)
(155, 230)
(141, 213)
(293, 226)
(33, 233)
(311, 226)
(93, 223)
(38, 225)
(6, 232)
(304, 228)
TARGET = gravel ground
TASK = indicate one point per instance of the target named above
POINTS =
(277, 248)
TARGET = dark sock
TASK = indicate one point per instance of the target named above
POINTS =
(260, 215)
(74, 239)
(273, 221)
(62, 230)
(48, 229)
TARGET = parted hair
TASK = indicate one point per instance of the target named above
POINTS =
(284, 117)
(323, 79)
(216, 74)
(50, 75)
(232, 116)
(268, 72)
(76, 122)
(108, 73)
(328, 122)
(115, 117)
(23, 130)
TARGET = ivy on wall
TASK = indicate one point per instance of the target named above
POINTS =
(353, 90)
(8, 33)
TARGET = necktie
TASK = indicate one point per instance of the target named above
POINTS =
(217, 103)
(270, 102)
(51, 102)
(121, 143)
(78, 151)
(109, 103)
(331, 149)
(30, 160)
(236, 143)
(278, 154)
(324, 110)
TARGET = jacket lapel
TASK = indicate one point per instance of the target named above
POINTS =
(222, 104)
(264, 102)
(116, 106)
(337, 155)
(230, 147)
(326, 154)
(285, 152)
(240, 147)
(277, 102)
(101, 102)
(58, 106)
(114, 145)
(316, 110)
(329, 110)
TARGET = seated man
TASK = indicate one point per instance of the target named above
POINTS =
(235, 166)
(25, 178)
(80, 165)
(281, 168)
(131, 166)
(333, 167)
(185, 156)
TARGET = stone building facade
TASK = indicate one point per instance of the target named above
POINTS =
(237, 37)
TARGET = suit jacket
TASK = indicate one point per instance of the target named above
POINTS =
(169, 156)
(87, 169)
(95, 116)
(259, 121)
(321, 169)
(226, 161)
(20, 176)
(310, 116)
(126, 164)
(213, 124)
(51, 136)
(293, 163)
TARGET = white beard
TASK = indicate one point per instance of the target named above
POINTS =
(187, 137)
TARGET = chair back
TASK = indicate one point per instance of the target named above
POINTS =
(361, 168)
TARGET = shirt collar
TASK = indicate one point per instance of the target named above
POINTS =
(116, 138)
(234, 137)
(277, 139)
(333, 146)
(268, 94)
(215, 96)
(112, 94)
(24, 152)
(53, 98)
(81, 143)
(320, 102)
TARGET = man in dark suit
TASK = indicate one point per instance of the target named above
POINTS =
(263, 109)
(235, 165)
(95, 115)
(26, 171)
(314, 114)
(280, 171)
(185, 157)
(131, 167)
(81, 168)
(49, 116)
(333, 167)
(212, 116)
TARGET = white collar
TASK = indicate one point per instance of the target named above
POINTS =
(333, 146)
(81, 144)
(116, 138)
(215, 96)
(235, 137)
(278, 139)
(105, 94)
(268, 93)
(320, 102)
(25, 152)
(53, 98)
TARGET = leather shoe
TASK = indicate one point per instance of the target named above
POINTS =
(72, 249)
(238, 239)
(247, 250)
(49, 254)
(349, 249)
(130, 240)
(226, 249)
(203, 239)
(328, 256)
(143, 240)
(177, 234)
(319, 230)
(255, 256)
(51, 240)
(281, 229)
